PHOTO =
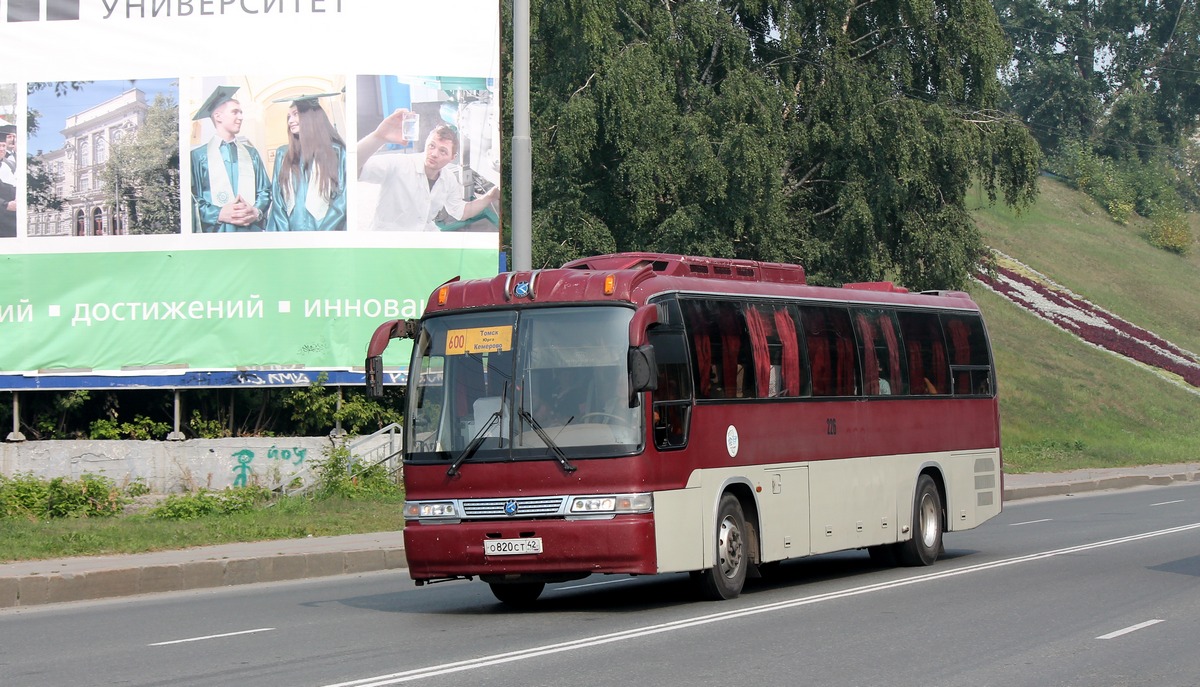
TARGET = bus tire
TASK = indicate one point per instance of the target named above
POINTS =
(726, 579)
(926, 542)
(517, 594)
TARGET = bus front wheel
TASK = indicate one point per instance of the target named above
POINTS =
(926, 542)
(725, 579)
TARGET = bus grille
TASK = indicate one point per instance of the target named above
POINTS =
(533, 507)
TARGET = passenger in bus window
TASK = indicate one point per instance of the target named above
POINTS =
(885, 387)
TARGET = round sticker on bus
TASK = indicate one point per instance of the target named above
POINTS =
(731, 441)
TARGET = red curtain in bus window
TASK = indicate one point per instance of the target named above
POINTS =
(791, 351)
(893, 347)
(870, 363)
(939, 361)
(818, 357)
(758, 327)
(845, 357)
(960, 338)
(916, 369)
(703, 348)
(731, 346)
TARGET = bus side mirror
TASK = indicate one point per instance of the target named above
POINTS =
(643, 372)
(384, 333)
(374, 376)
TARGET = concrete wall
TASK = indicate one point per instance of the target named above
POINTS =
(171, 466)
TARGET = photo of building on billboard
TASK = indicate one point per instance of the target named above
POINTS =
(9, 183)
(428, 154)
(104, 158)
(267, 154)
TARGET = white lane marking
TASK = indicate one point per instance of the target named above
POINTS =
(1028, 522)
(1131, 628)
(598, 640)
(590, 584)
(1167, 503)
(200, 639)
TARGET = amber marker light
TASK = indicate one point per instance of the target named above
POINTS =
(443, 294)
(610, 284)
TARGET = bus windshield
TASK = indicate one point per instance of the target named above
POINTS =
(547, 383)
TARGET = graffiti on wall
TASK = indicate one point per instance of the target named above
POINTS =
(242, 471)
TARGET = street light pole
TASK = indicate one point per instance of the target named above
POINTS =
(522, 157)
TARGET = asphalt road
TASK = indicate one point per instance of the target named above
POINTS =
(1099, 590)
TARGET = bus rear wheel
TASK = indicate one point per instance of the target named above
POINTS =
(517, 594)
(926, 542)
(726, 579)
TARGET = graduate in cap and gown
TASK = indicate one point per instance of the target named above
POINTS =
(230, 187)
(8, 184)
(308, 191)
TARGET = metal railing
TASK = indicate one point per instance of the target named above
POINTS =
(378, 448)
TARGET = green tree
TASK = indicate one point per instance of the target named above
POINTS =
(839, 135)
(39, 179)
(1120, 75)
(142, 171)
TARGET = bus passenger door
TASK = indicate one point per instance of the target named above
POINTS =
(784, 502)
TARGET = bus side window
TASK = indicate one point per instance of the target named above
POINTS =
(925, 349)
(829, 337)
(879, 350)
(721, 347)
(673, 398)
(970, 360)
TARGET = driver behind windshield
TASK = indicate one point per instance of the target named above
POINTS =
(559, 398)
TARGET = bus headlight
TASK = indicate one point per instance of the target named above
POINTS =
(612, 504)
(420, 510)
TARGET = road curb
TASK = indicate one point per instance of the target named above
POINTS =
(1016, 493)
(39, 589)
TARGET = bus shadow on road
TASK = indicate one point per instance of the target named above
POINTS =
(626, 594)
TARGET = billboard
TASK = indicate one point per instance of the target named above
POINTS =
(236, 192)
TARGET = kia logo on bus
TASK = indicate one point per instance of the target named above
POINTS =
(510, 508)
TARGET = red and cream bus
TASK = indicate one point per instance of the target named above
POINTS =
(642, 413)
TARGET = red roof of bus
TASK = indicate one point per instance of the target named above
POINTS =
(636, 277)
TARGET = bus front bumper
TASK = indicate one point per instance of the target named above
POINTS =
(622, 544)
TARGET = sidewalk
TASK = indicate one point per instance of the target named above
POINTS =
(30, 583)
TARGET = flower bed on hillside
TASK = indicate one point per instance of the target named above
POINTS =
(1052, 302)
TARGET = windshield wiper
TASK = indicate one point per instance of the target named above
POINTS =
(477, 440)
(558, 452)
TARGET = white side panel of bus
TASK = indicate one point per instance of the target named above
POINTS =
(973, 488)
(679, 518)
(854, 501)
(824, 506)
(784, 502)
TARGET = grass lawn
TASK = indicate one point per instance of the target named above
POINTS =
(1064, 404)
(289, 518)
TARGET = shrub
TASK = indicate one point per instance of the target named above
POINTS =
(244, 499)
(204, 502)
(89, 496)
(207, 429)
(1170, 231)
(338, 474)
(137, 487)
(104, 429)
(187, 506)
(144, 429)
(22, 495)
(141, 429)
